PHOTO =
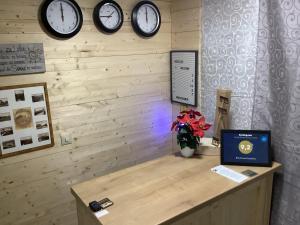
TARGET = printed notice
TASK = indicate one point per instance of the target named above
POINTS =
(229, 173)
(101, 213)
(22, 59)
(184, 77)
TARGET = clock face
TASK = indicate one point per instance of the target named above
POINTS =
(146, 19)
(63, 18)
(108, 16)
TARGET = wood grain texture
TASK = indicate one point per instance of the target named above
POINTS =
(179, 191)
(110, 92)
(186, 35)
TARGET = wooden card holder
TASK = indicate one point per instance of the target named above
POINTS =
(222, 114)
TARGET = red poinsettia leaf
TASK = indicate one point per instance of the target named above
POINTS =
(194, 126)
(174, 125)
(199, 133)
(188, 119)
(201, 121)
(180, 116)
(197, 113)
(206, 126)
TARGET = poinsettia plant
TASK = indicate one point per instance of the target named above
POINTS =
(190, 126)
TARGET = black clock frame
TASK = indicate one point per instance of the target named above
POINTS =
(99, 23)
(134, 22)
(54, 32)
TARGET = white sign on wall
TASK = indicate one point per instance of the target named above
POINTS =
(184, 77)
(22, 59)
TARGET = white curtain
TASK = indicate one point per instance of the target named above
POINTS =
(253, 48)
(277, 100)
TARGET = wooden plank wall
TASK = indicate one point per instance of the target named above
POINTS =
(186, 35)
(110, 92)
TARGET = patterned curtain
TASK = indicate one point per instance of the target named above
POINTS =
(229, 43)
(277, 100)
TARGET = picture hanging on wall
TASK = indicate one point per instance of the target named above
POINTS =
(184, 77)
(25, 120)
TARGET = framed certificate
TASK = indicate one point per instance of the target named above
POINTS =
(184, 77)
(246, 147)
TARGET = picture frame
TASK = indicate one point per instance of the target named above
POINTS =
(184, 77)
(246, 147)
(25, 119)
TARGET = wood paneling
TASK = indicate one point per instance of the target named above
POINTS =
(186, 35)
(110, 92)
(247, 206)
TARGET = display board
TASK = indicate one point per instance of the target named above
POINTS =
(21, 59)
(25, 121)
(184, 77)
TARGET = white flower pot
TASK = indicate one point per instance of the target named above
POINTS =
(187, 152)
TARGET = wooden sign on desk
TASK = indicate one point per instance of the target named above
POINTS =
(223, 102)
(22, 59)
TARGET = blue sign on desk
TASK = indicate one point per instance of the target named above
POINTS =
(246, 147)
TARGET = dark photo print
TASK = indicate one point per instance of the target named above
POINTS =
(224, 100)
(41, 124)
(5, 117)
(19, 95)
(39, 111)
(37, 97)
(43, 137)
(9, 144)
(26, 140)
(6, 131)
(3, 102)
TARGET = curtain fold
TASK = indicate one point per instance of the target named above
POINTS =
(277, 100)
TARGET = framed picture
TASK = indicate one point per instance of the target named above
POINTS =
(246, 147)
(25, 120)
(184, 77)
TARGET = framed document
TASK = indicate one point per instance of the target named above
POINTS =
(25, 120)
(184, 77)
(246, 147)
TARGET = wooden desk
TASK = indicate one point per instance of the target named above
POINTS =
(178, 191)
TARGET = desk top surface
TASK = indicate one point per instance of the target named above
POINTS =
(159, 190)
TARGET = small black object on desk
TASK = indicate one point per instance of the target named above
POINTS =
(95, 206)
(102, 204)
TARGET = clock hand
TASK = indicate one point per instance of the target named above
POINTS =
(108, 15)
(147, 14)
(62, 12)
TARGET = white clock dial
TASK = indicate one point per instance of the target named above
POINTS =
(62, 16)
(147, 18)
(110, 16)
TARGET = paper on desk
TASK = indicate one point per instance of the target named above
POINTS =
(229, 173)
(101, 213)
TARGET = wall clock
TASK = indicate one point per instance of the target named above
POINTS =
(146, 19)
(108, 16)
(62, 18)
